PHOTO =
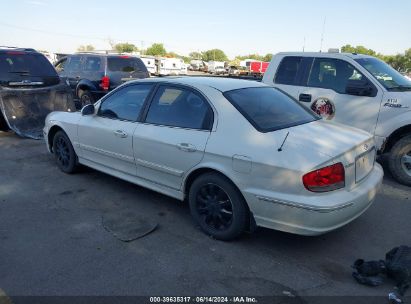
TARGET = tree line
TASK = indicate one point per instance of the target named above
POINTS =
(401, 62)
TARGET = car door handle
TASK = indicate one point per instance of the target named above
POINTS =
(120, 133)
(305, 97)
(186, 147)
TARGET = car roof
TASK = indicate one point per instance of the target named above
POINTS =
(221, 84)
(325, 55)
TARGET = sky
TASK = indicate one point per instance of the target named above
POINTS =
(238, 27)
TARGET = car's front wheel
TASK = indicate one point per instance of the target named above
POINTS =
(399, 160)
(218, 207)
(64, 153)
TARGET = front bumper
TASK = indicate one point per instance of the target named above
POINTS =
(299, 217)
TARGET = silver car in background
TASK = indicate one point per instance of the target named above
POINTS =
(242, 153)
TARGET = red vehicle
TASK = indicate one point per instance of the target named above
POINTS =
(258, 68)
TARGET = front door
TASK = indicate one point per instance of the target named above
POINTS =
(325, 94)
(172, 138)
(106, 138)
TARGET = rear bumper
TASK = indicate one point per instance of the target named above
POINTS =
(313, 219)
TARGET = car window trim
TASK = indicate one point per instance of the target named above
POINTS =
(138, 118)
(184, 87)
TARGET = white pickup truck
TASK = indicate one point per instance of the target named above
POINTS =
(357, 90)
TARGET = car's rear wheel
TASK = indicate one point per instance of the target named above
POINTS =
(86, 98)
(64, 153)
(218, 207)
(399, 160)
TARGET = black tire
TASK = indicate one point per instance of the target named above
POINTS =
(64, 153)
(85, 98)
(396, 165)
(218, 207)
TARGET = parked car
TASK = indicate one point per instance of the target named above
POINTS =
(358, 90)
(241, 152)
(92, 75)
(220, 70)
(29, 90)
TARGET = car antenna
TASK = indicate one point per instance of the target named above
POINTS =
(285, 138)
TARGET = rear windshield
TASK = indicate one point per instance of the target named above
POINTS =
(269, 109)
(33, 64)
(125, 64)
(18, 66)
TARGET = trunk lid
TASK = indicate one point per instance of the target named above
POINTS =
(354, 148)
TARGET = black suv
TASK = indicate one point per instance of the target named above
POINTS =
(92, 75)
(30, 88)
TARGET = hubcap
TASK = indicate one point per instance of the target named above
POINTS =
(62, 152)
(406, 163)
(214, 207)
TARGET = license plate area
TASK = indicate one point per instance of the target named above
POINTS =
(364, 164)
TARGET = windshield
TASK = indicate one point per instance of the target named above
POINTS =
(386, 75)
(269, 109)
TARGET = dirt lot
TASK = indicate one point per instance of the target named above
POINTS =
(52, 241)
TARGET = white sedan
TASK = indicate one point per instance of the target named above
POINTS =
(241, 152)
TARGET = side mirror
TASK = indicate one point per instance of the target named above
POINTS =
(88, 110)
(360, 88)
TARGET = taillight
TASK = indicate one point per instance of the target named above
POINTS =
(105, 83)
(325, 179)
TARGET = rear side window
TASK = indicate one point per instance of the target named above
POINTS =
(334, 74)
(268, 109)
(126, 103)
(24, 63)
(92, 64)
(179, 107)
(288, 70)
(125, 64)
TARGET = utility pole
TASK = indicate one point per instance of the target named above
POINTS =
(304, 45)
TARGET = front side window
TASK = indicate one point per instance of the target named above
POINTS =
(269, 109)
(386, 75)
(60, 66)
(288, 70)
(177, 107)
(126, 103)
(333, 74)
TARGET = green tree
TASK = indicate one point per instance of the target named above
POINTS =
(359, 49)
(85, 48)
(125, 47)
(214, 55)
(195, 55)
(156, 49)
(268, 57)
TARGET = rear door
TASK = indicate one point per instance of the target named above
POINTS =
(325, 94)
(73, 71)
(124, 68)
(290, 74)
(173, 136)
(106, 138)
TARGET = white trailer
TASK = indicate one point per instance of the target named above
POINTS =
(169, 66)
(212, 65)
(150, 63)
